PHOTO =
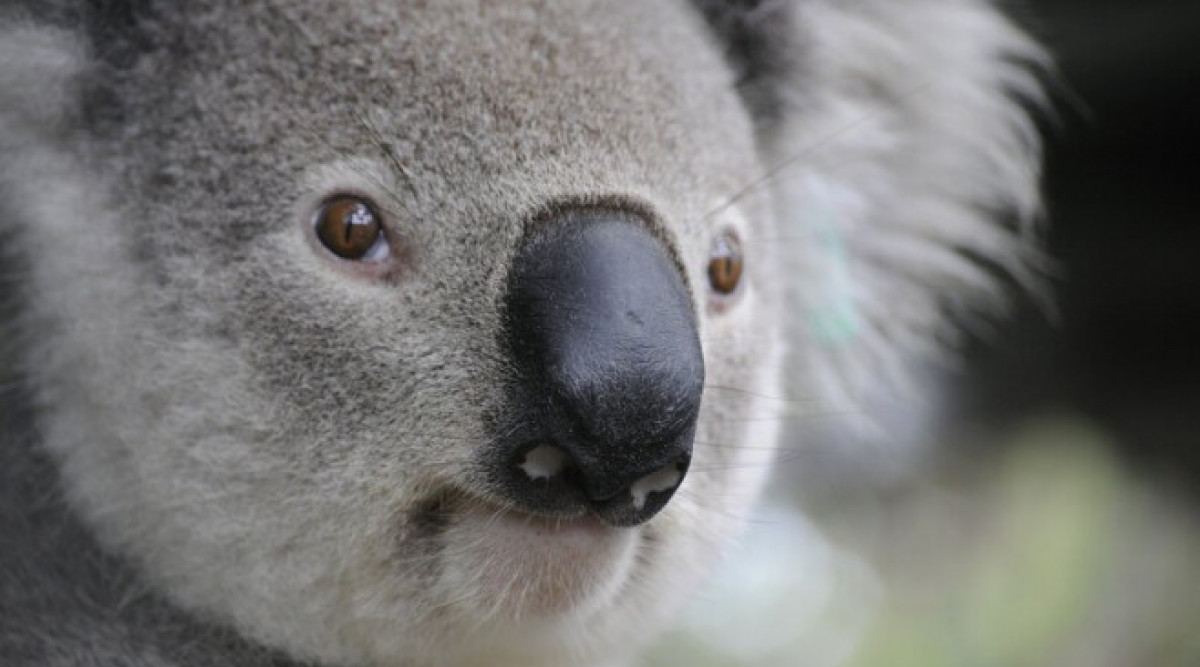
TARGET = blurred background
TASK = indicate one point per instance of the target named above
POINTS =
(1051, 514)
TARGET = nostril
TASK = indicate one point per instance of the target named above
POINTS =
(643, 495)
(543, 478)
(662, 480)
(544, 462)
(550, 478)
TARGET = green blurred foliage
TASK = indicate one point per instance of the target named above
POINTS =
(1045, 554)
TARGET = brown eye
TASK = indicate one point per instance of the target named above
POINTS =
(725, 264)
(349, 227)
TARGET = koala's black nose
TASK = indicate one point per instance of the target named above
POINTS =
(601, 327)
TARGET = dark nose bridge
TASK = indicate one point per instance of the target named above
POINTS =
(602, 326)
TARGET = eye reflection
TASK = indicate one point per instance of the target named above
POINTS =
(349, 227)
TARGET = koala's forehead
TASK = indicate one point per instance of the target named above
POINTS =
(490, 105)
(493, 111)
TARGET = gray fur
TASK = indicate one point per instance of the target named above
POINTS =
(220, 447)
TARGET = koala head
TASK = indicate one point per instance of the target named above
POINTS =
(453, 333)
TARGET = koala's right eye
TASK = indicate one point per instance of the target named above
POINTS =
(349, 227)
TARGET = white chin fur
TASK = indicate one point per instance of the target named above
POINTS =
(508, 565)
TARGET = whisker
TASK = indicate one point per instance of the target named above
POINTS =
(789, 417)
(774, 170)
(709, 503)
(756, 394)
(387, 147)
(735, 447)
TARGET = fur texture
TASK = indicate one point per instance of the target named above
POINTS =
(221, 446)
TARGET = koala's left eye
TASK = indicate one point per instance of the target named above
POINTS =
(725, 264)
(349, 227)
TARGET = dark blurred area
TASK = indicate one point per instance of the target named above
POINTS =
(1123, 193)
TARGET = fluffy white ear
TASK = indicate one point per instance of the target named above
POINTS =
(906, 175)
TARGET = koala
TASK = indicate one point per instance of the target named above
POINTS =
(403, 333)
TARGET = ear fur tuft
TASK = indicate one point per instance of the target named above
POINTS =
(906, 182)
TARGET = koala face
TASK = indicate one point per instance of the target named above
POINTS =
(398, 326)
(452, 333)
